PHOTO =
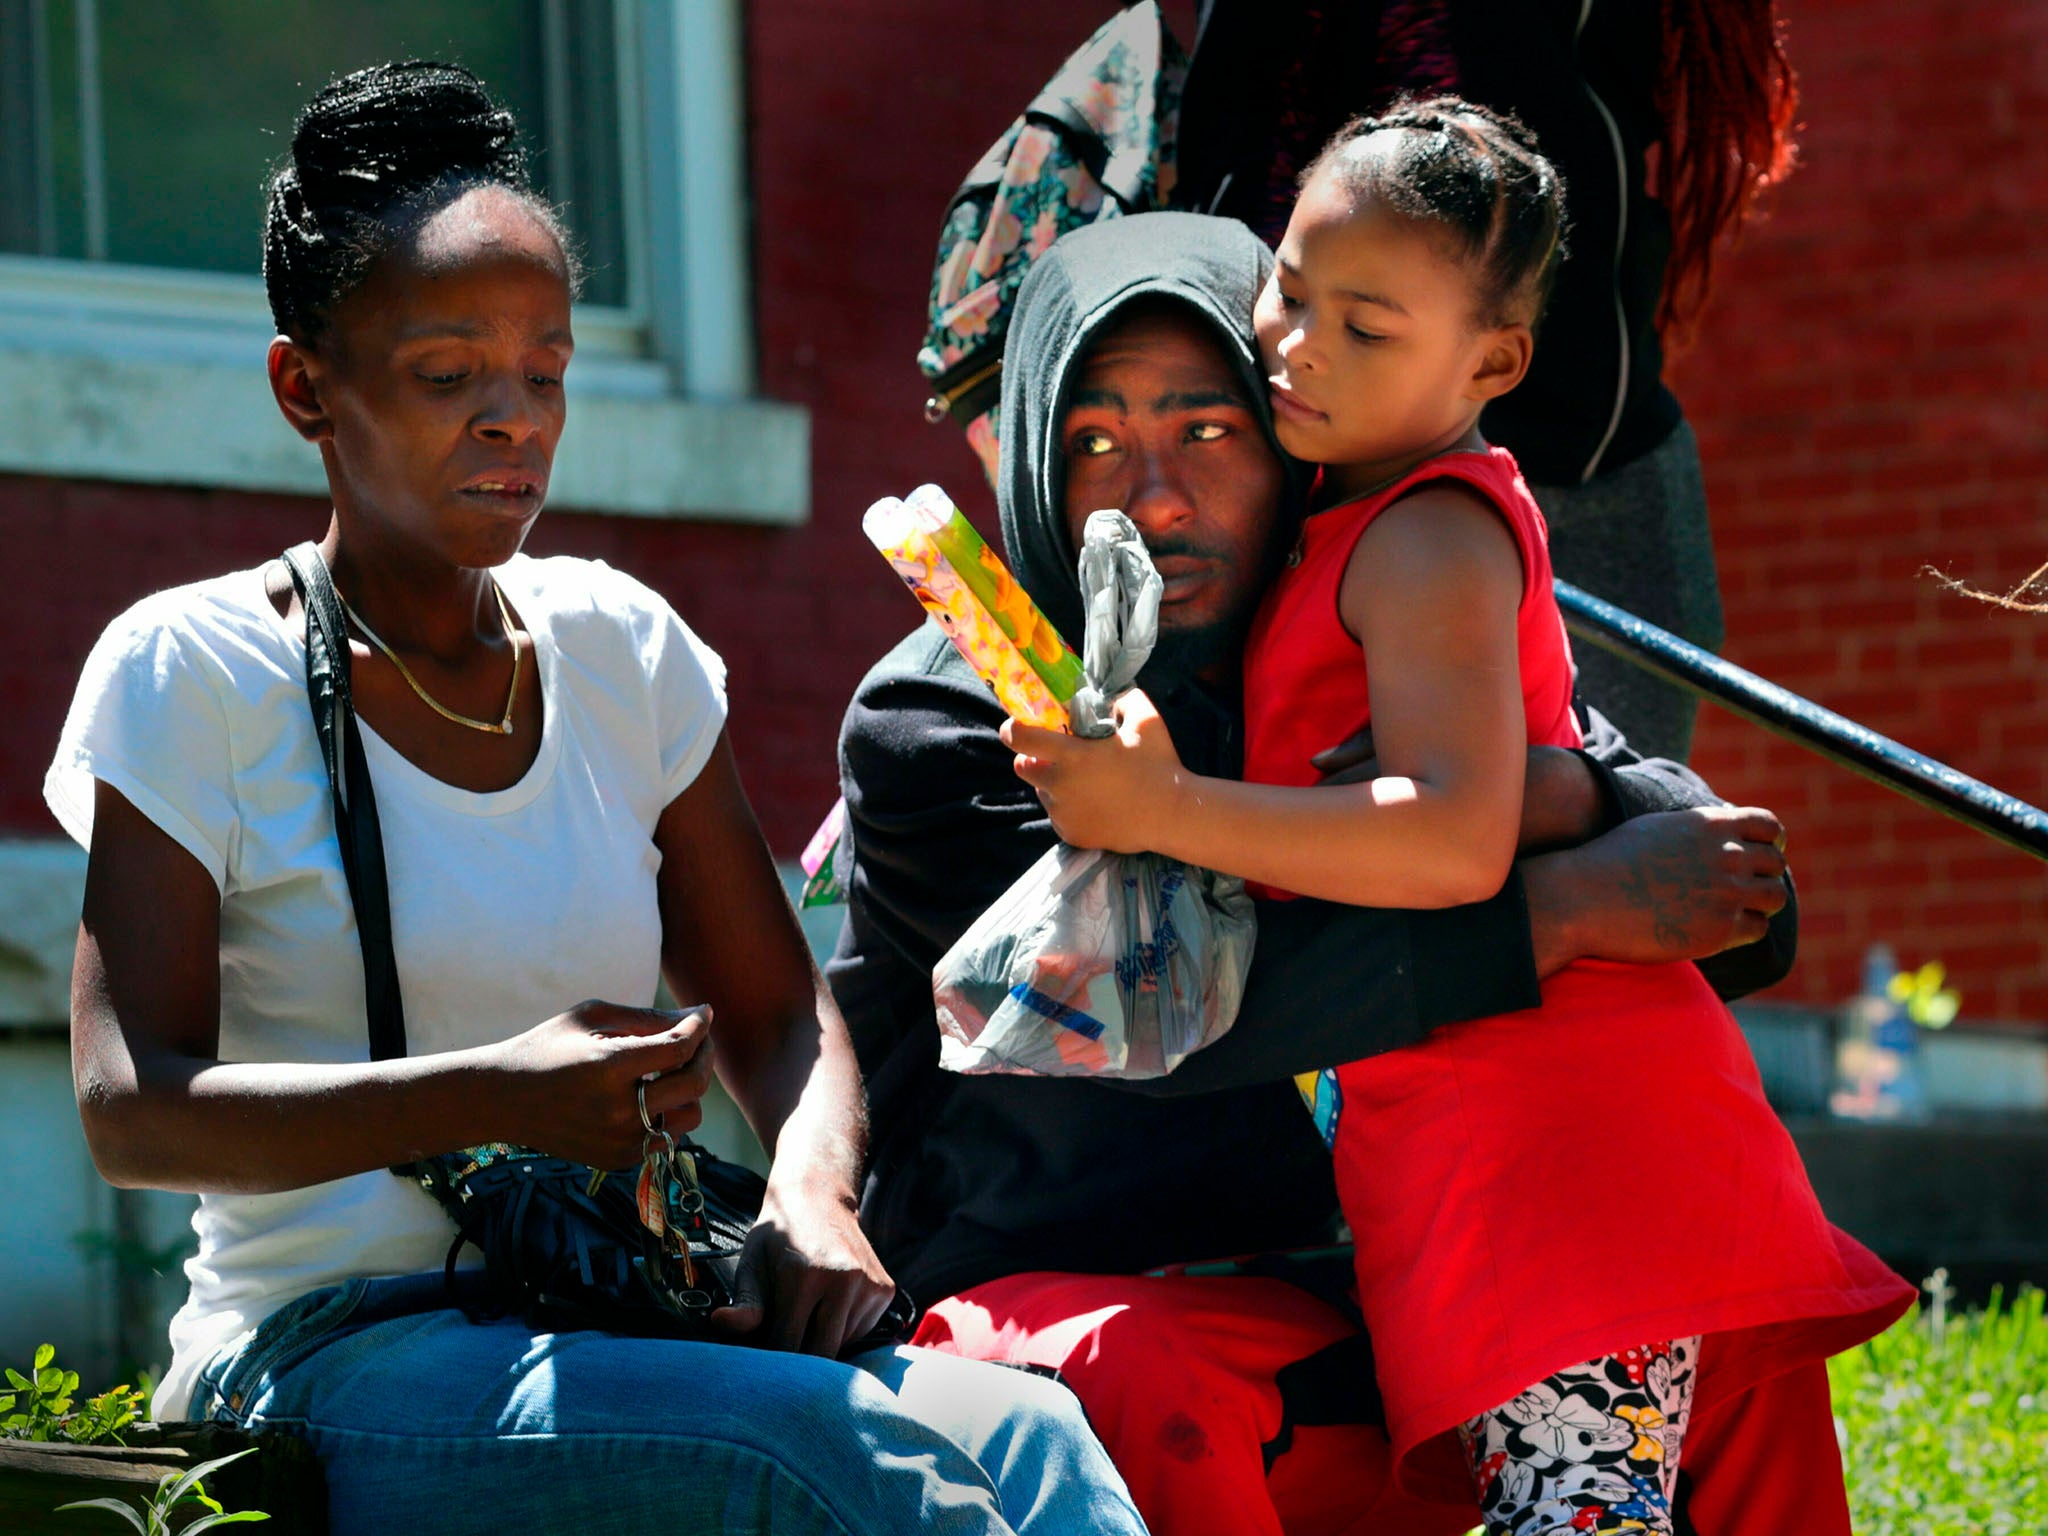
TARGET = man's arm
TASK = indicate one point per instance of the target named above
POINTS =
(942, 826)
(1632, 786)
(1663, 870)
(1691, 878)
(1332, 983)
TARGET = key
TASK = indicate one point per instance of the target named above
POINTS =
(657, 1153)
(685, 1207)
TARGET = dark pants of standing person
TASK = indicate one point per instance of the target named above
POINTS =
(1638, 537)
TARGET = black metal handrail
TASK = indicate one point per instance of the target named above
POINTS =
(1779, 710)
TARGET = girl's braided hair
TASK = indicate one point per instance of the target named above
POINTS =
(374, 154)
(1473, 171)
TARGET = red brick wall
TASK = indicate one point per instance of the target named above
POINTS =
(1872, 398)
(79, 553)
(1870, 395)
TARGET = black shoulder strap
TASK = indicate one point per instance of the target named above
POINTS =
(355, 806)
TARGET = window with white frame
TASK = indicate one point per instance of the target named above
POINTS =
(135, 142)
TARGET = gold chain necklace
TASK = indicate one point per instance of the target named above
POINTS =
(501, 727)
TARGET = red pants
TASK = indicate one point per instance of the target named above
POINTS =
(1187, 1381)
(1765, 1462)
(1178, 1376)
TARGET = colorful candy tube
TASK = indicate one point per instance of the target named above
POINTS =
(990, 580)
(904, 535)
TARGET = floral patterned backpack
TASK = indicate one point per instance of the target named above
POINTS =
(1096, 142)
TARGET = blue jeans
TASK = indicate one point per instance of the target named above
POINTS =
(426, 1421)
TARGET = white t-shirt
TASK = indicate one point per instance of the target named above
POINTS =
(506, 907)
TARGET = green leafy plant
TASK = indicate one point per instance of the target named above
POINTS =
(38, 1406)
(176, 1490)
(104, 1417)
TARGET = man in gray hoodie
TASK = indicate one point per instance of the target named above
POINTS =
(1024, 1211)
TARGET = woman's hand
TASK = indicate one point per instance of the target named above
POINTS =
(808, 1279)
(571, 1085)
(1117, 792)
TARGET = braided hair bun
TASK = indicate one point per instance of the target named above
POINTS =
(373, 155)
(1477, 173)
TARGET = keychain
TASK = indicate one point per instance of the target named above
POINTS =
(670, 1202)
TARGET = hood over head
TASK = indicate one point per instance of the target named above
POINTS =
(1074, 292)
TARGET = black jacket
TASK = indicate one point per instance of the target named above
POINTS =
(977, 1177)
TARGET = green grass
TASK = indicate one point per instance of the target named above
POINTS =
(1944, 1421)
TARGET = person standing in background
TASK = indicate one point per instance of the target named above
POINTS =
(1667, 124)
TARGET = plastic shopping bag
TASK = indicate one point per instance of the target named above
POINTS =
(1095, 963)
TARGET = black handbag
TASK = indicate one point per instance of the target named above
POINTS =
(651, 1250)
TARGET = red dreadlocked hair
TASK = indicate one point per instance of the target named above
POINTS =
(1727, 98)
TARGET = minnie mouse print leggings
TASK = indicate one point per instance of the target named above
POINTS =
(1591, 1449)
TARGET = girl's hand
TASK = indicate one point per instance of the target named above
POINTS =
(1118, 792)
(808, 1278)
(572, 1085)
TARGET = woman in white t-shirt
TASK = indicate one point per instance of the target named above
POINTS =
(562, 820)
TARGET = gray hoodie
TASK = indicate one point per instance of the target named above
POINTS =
(1084, 285)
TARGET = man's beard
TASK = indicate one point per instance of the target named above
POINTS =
(1212, 651)
(1182, 655)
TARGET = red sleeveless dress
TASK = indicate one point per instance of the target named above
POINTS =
(1538, 1189)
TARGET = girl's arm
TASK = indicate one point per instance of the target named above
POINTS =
(162, 1111)
(809, 1278)
(1431, 593)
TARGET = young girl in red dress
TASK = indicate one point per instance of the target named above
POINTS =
(1578, 1227)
